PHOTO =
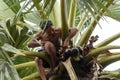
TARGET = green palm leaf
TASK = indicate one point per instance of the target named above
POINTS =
(114, 10)
(5, 12)
(14, 5)
(7, 71)
(10, 48)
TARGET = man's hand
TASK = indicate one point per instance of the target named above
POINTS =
(66, 43)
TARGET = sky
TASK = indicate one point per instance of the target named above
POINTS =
(108, 28)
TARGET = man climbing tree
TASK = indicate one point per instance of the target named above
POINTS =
(50, 39)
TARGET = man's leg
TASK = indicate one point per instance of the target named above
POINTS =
(40, 68)
(51, 50)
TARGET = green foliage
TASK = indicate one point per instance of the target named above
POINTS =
(12, 38)
(49, 4)
(14, 5)
(114, 11)
(3, 39)
(7, 70)
(26, 70)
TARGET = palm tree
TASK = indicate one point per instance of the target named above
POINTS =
(20, 20)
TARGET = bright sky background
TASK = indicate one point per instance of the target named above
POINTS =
(108, 27)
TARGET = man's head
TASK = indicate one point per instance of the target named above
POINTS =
(45, 24)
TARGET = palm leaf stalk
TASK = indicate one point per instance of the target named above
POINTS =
(111, 74)
(55, 18)
(85, 36)
(95, 52)
(79, 26)
(72, 13)
(64, 19)
(36, 54)
(32, 76)
(23, 65)
(108, 40)
(109, 59)
(30, 54)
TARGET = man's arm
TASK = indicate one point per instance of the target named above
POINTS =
(35, 41)
(72, 33)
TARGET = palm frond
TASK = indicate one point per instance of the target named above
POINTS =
(6, 31)
(5, 11)
(93, 24)
(48, 11)
(14, 5)
(114, 10)
(19, 14)
(91, 5)
(7, 71)
(10, 48)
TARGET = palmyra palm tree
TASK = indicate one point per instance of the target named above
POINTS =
(20, 20)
